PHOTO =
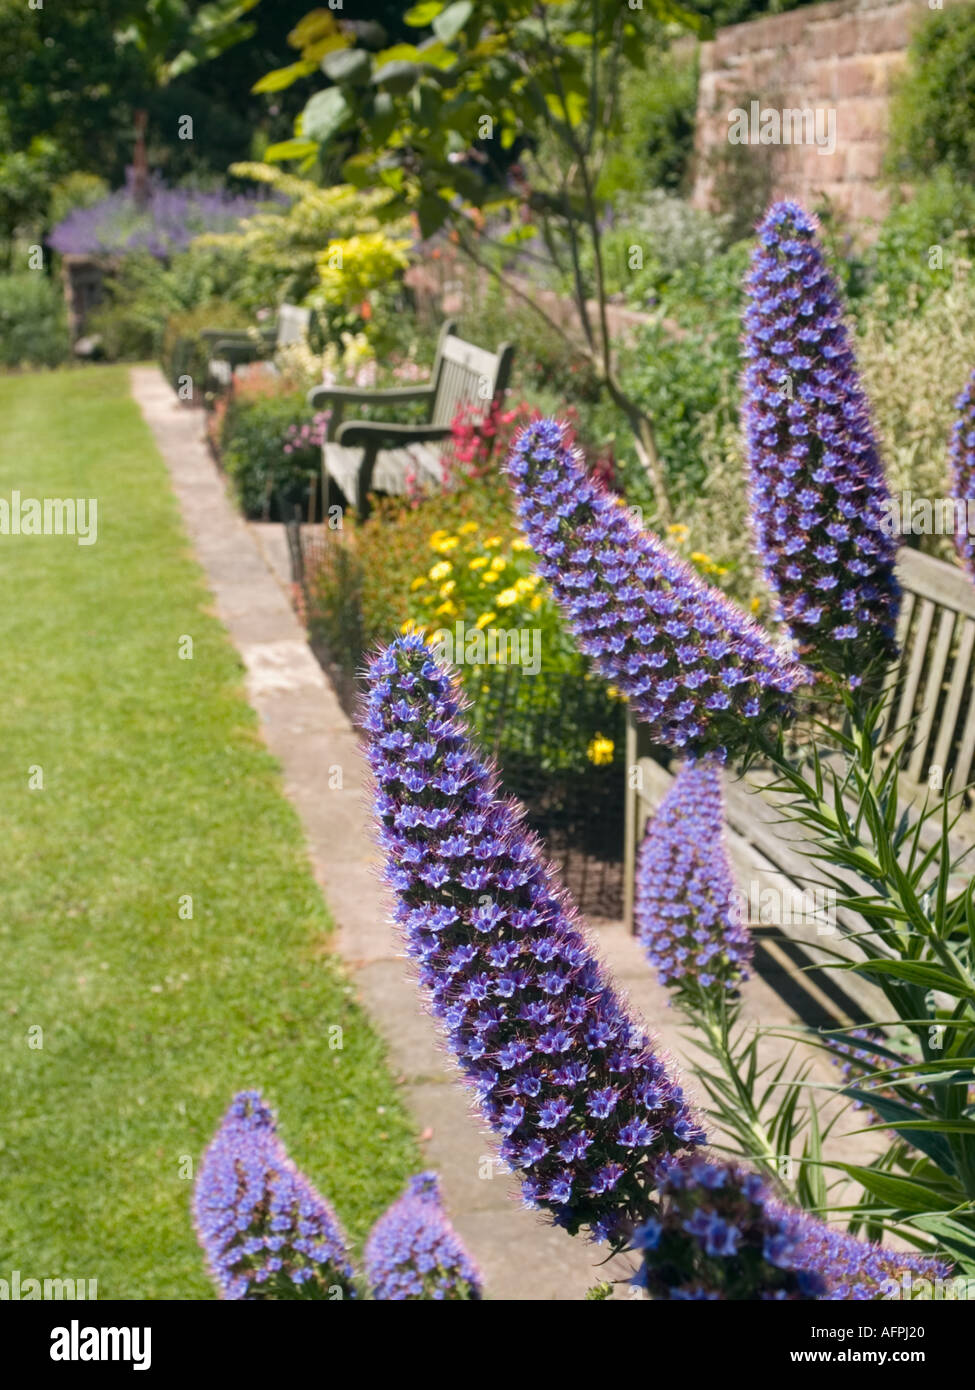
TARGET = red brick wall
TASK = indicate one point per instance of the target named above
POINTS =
(843, 56)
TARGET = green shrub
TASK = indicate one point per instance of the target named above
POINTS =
(33, 323)
(659, 107)
(933, 113)
(142, 294)
(919, 243)
(685, 364)
(268, 481)
(75, 190)
(183, 351)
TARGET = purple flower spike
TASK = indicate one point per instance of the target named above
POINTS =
(962, 456)
(266, 1232)
(687, 908)
(821, 512)
(694, 667)
(721, 1234)
(414, 1253)
(563, 1073)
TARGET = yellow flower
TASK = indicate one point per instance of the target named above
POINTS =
(699, 557)
(535, 603)
(437, 537)
(440, 570)
(408, 627)
(447, 589)
(519, 543)
(444, 546)
(600, 750)
(418, 583)
(679, 531)
(506, 598)
(490, 577)
(484, 619)
(468, 528)
(478, 562)
(499, 563)
(613, 693)
(446, 609)
(756, 604)
(492, 542)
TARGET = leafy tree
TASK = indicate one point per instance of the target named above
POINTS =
(494, 125)
(933, 117)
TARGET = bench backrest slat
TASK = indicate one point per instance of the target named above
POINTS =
(466, 374)
(293, 322)
(932, 679)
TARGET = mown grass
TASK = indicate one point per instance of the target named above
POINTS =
(155, 786)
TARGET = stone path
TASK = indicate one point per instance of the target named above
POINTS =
(309, 734)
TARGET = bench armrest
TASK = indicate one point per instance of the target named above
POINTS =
(235, 335)
(240, 350)
(352, 395)
(376, 434)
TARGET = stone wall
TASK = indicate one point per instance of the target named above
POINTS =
(842, 57)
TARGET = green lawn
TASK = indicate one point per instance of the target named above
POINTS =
(155, 786)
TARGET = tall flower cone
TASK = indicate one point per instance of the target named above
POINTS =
(722, 1234)
(564, 1075)
(962, 458)
(693, 666)
(820, 510)
(413, 1252)
(265, 1230)
(687, 908)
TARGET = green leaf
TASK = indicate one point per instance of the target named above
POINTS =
(959, 1239)
(433, 212)
(316, 25)
(398, 76)
(358, 169)
(902, 1193)
(421, 16)
(895, 1113)
(382, 122)
(449, 24)
(280, 78)
(918, 973)
(290, 149)
(347, 65)
(325, 115)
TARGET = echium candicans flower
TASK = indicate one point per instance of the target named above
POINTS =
(721, 1233)
(962, 457)
(717, 1236)
(414, 1253)
(820, 509)
(853, 1270)
(563, 1073)
(688, 910)
(266, 1232)
(693, 666)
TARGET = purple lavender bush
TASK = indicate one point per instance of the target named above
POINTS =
(694, 667)
(413, 1252)
(721, 1234)
(819, 501)
(962, 459)
(687, 909)
(562, 1072)
(168, 222)
(265, 1231)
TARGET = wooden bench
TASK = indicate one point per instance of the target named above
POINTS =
(931, 690)
(230, 348)
(361, 456)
